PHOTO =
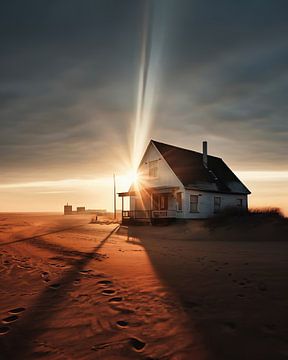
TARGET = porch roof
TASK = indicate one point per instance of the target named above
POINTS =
(127, 193)
(151, 190)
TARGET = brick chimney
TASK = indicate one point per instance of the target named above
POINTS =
(205, 154)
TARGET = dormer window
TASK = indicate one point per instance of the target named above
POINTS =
(153, 168)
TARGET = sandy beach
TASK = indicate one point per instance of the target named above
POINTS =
(74, 290)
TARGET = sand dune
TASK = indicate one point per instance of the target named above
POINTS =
(101, 291)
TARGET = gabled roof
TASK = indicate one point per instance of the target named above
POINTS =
(189, 168)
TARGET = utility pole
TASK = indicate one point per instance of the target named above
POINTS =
(114, 188)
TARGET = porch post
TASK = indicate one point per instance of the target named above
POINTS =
(122, 208)
(151, 205)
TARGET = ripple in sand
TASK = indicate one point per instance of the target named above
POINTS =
(10, 319)
(17, 310)
(137, 344)
(4, 330)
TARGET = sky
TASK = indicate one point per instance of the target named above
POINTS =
(73, 110)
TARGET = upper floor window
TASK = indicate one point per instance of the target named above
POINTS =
(194, 203)
(153, 168)
(179, 201)
(217, 203)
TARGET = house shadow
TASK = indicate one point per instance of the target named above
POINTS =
(169, 271)
(219, 306)
(19, 342)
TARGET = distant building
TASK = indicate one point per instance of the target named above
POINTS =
(179, 183)
(68, 209)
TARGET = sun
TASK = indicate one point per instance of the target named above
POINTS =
(132, 177)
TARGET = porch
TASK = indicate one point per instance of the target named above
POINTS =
(151, 205)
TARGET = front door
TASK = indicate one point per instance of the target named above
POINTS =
(160, 201)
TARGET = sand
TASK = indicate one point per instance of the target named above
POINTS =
(74, 290)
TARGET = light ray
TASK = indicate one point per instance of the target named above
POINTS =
(149, 74)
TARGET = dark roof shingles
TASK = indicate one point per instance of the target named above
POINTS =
(189, 168)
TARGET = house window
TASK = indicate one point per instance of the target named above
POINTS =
(239, 203)
(153, 168)
(194, 203)
(162, 202)
(217, 204)
(179, 201)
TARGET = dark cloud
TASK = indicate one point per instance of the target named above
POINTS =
(68, 73)
(227, 81)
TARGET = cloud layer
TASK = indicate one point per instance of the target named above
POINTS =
(69, 77)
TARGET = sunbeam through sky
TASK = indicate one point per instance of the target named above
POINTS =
(153, 34)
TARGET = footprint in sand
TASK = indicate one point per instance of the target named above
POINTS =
(122, 323)
(4, 330)
(247, 281)
(85, 271)
(55, 286)
(108, 292)
(192, 305)
(105, 282)
(45, 276)
(229, 326)
(10, 319)
(116, 299)
(137, 344)
(125, 311)
(262, 287)
(241, 295)
(17, 310)
(268, 328)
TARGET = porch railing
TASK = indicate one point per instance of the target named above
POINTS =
(164, 213)
(148, 214)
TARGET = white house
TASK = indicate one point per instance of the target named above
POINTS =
(178, 183)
